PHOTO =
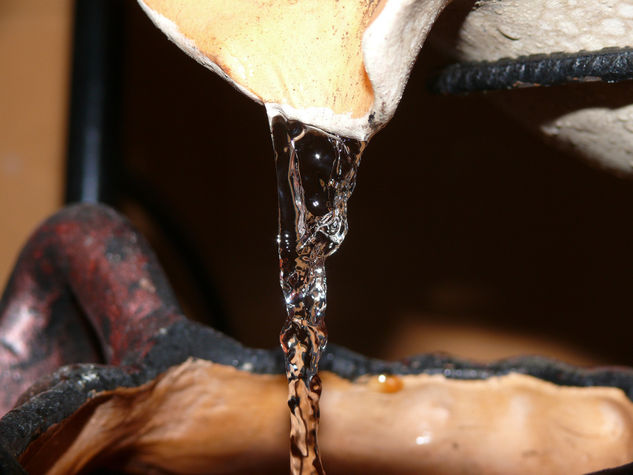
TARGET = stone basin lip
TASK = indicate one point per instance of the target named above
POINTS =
(56, 397)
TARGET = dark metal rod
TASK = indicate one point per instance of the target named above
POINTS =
(93, 135)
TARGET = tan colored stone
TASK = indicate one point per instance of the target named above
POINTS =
(202, 417)
(338, 65)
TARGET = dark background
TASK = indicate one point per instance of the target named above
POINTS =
(462, 220)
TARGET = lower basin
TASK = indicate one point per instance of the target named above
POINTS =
(175, 396)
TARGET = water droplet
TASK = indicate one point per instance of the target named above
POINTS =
(424, 438)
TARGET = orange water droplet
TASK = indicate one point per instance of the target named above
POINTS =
(386, 383)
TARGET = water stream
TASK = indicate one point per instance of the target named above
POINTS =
(316, 174)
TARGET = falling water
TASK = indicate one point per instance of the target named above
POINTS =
(316, 174)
